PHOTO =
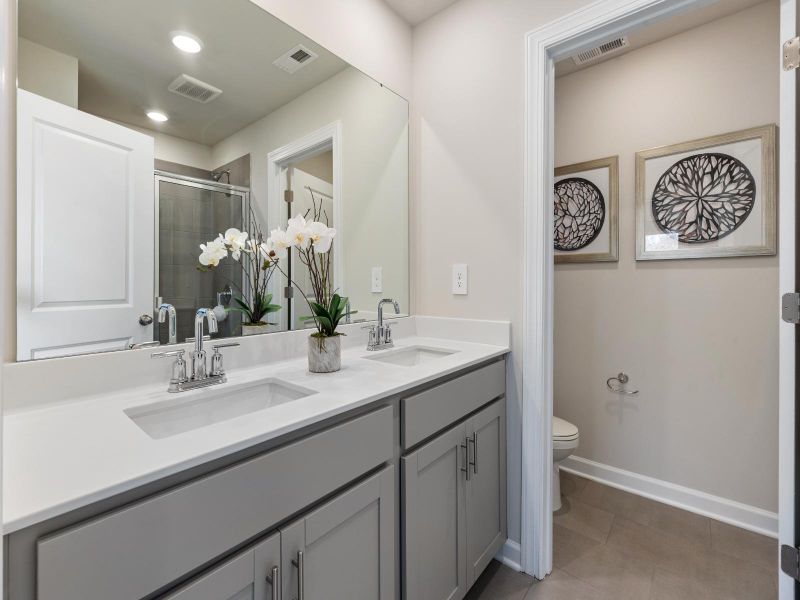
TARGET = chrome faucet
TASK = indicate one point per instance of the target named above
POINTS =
(167, 309)
(199, 355)
(380, 335)
(199, 377)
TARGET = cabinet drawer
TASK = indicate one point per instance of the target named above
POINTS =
(133, 552)
(432, 410)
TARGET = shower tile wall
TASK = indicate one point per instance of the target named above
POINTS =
(188, 217)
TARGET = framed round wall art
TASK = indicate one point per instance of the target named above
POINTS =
(713, 197)
(585, 204)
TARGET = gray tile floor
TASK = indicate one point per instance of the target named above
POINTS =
(611, 545)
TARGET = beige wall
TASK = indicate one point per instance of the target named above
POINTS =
(698, 338)
(48, 73)
(178, 150)
(467, 173)
(374, 122)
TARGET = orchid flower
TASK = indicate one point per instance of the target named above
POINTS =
(298, 231)
(235, 241)
(212, 253)
(279, 241)
(321, 236)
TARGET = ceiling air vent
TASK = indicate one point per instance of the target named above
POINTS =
(295, 59)
(603, 49)
(194, 89)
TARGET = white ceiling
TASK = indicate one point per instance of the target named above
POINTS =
(126, 60)
(663, 29)
(416, 11)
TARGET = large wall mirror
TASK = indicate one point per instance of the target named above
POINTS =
(146, 129)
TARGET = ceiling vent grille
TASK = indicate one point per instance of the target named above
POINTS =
(194, 89)
(604, 49)
(295, 59)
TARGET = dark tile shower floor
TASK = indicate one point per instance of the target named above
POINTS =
(612, 545)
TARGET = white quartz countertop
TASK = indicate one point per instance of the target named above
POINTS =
(64, 456)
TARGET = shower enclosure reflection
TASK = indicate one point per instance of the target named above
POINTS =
(190, 212)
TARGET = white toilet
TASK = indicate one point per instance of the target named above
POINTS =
(565, 440)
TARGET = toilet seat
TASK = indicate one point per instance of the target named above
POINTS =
(564, 431)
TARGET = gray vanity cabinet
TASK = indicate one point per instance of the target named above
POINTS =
(248, 576)
(454, 506)
(434, 518)
(344, 549)
(485, 488)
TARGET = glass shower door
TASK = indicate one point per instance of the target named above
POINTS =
(193, 212)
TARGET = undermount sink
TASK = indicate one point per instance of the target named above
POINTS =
(212, 405)
(411, 356)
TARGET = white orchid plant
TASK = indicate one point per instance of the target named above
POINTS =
(313, 240)
(257, 261)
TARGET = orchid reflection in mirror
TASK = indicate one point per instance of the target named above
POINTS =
(258, 262)
(313, 240)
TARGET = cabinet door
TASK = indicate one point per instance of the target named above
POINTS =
(346, 548)
(248, 576)
(434, 519)
(485, 488)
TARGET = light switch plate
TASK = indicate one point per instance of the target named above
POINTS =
(460, 280)
(377, 279)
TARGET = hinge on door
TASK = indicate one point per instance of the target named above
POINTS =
(288, 196)
(790, 308)
(791, 54)
(790, 561)
(288, 292)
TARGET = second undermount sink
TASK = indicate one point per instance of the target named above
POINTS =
(212, 405)
(410, 356)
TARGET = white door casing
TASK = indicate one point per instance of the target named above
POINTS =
(787, 252)
(85, 229)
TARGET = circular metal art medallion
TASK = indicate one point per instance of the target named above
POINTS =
(704, 197)
(580, 210)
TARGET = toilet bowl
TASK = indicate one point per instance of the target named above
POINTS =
(565, 440)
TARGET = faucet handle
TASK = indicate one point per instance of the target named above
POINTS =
(372, 342)
(216, 358)
(178, 367)
(178, 353)
(387, 334)
(225, 345)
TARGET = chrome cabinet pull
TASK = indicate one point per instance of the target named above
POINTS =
(299, 564)
(275, 581)
(466, 466)
(474, 439)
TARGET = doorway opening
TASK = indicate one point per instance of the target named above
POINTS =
(575, 34)
(304, 179)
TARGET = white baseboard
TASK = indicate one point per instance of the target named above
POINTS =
(728, 511)
(510, 555)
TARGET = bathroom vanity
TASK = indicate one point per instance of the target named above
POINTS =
(385, 480)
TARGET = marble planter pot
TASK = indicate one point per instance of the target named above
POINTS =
(248, 329)
(324, 354)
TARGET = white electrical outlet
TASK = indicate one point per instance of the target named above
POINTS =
(460, 280)
(377, 279)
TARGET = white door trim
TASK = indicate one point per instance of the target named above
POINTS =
(328, 136)
(562, 37)
(786, 274)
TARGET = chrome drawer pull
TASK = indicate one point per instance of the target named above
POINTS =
(275, 581)
(299, 564)
(474, 440)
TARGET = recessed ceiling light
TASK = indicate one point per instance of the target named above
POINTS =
(157, 116)
(186, 42)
